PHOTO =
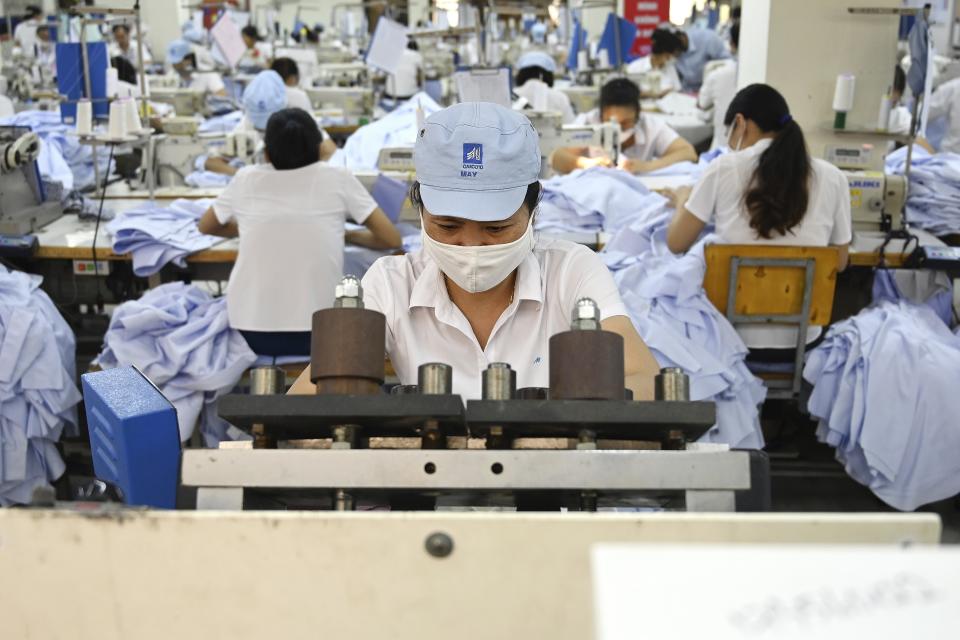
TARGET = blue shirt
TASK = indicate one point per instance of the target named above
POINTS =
(704, 46)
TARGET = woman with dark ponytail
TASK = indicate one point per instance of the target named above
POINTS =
(767, 191)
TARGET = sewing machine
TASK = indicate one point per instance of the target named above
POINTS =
(347, 74)
(650, 83)
(23, 205)
(353, 101)
(399, 159)
(175, 154)
(582, 441)
(555, 135)
(186, 102)
(583, 99)
(876, 200)
(334, 54)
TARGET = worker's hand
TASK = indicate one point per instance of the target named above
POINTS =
(634, 166)
(588, 163)
(678, 197)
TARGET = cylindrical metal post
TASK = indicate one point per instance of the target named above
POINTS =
(434, 379)
(265, 381)
(672, 385)
(499, 382)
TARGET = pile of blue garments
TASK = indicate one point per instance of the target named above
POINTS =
(180, 338)
(593, 200)
(62, 158)
(156, 235)
(665, 299)
(396, 129)
(885, 393)
(225, 123)
(38, 391)
(933, 199)
(200, 178)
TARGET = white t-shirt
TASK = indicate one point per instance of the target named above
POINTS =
(945, 102)
(291, 241)
(298, 99)
(651, 137)
(403, 82)
(718, 198)
(543, 97)
(717, 91)
(669, 78)
(423, 325)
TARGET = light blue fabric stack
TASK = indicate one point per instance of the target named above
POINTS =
(593, 200)
(62, 158)
(158, 235)
(886, 393)
(933, 201)
(180, 338)
(203, 179)
(396, 129)
(38, 392)
(665, 299)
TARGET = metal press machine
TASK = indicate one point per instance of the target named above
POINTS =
(581, 443)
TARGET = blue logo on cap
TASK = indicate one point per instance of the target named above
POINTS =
(472, 155)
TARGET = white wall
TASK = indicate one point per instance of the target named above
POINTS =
(806, 45)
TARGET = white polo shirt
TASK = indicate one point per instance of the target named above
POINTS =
(423, 325)
(298, 99)
(291, 241)
(945, 102)
(718, 198)
(206, 81)
(402, 83)
(543, 97)
(651, 137)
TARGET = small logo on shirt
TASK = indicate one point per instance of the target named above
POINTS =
(537, 360)
(472, 159)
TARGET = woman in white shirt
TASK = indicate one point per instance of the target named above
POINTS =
(289, 214)
(535, 71)
(290, 74)
(258, 53)
(666, 46)
(407, 78)
(484, 288)
(647, 144)
(767, 191)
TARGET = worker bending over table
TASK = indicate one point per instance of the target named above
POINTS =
(485, 288)
(647, 144)
(768, 190)
(289, 213)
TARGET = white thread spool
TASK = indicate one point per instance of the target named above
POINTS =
(583, 60)
(117, 127)
(843, 93)
(131, 115)
(113, 82)
(84, 124)
(604, 59)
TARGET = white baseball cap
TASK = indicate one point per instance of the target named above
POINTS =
(475, 160)
(537, 59)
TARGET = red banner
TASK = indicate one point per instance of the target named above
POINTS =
(646, 14)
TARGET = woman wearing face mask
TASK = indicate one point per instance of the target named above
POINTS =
(647, 143)
(484, 288)
(769, 191)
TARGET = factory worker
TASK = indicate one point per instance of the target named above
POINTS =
(290, 74)
(945, 103)
(292, 206)
(767, 191)
(258, 53)
(195, 36)
(718, 90)
(407, 79)
(125, 47)
(647, 143)
(700, 46)
(25, 34)
(538, 33)
(46, 50)
(181, 57)
(485, 288)
(900, 115)
(263, 97)
(535, 71)
(662, 58)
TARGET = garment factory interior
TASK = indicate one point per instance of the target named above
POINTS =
(551, 307)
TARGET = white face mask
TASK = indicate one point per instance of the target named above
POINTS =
(481, 268)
